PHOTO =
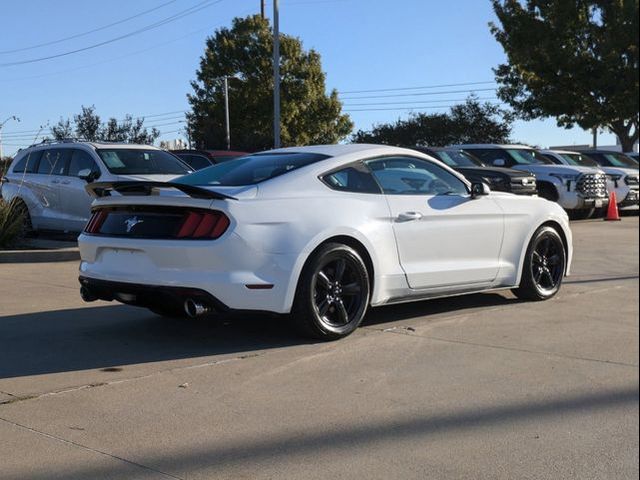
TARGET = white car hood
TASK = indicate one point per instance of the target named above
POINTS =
(620, 171)
(559, 169)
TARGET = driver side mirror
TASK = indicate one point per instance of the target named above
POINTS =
(499, 162)
(88, 175)
(479, 189)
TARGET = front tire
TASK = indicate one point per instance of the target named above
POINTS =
(544, 266)
(333, 293)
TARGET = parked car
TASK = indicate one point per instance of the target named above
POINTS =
(632, 155)
(579, 190)
(622, 181)
(48, 179)
(498, 178)
(321, 232)
(199, 159)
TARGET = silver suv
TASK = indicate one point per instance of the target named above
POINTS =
(48, 179)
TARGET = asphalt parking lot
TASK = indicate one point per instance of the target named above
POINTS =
(472, 387)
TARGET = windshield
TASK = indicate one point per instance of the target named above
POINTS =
(527, 157)
(579, 160)
(137, 161)
(458, 158)
(251, 169)
(612, 159)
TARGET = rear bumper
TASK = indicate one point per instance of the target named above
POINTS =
(150, 296)
(228, 272)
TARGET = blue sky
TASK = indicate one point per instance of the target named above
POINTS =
(364, 44)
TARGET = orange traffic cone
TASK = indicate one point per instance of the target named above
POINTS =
(612, 211)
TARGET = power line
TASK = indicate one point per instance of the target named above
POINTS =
(137, 52)
(189, 11)
(78, 35)
(25, 133)
(418, 88)
(420, 94)
(398, 108)
(462, 100)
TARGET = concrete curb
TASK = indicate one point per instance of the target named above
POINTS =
(40, 255)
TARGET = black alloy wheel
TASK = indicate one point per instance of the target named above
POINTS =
(544, 266)
(333, 293)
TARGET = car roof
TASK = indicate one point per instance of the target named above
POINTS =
(493, 145)
(339, 150)
(549, 150)
(95, 145)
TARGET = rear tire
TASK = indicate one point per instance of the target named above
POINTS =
(333, 293)
(544, 266)
(27, 226)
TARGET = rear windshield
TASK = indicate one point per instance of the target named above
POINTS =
(579, 160)
(251, 169)
(123, 161)
(458, 158)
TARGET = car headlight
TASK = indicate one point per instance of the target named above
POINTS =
(631, 180)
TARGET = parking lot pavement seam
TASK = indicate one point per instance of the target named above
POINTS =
(89, 449)
(409, 333)
(45, 284)
(125, 380)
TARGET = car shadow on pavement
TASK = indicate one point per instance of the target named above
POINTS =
(115, 335)
(452, 305)
(251, 453)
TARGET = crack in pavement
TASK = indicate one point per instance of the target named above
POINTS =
(404, 331)
(87, 448)
(18, 398)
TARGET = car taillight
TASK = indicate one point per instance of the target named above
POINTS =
(96, 221)
(203, 225)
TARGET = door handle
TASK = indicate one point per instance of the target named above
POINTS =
(409, 216)
(66, 182)
(55, 181)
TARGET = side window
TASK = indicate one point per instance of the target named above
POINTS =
(28, 162)
(488, 156)
(52, 162)
(355, 178)
(81, 160)
(414, 176)
(196, 161)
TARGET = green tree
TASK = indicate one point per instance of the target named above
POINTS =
(243, 53)
(575, 60)
(469, 122)
(88, 126)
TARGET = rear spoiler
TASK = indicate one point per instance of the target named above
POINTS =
(104, 189)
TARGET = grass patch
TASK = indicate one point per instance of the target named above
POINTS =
(12, 218)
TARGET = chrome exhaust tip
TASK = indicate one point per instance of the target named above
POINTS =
(194, 309)
(86, 295)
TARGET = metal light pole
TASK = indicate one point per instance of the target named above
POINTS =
(226, 112)
(276, 75)
(12, 117)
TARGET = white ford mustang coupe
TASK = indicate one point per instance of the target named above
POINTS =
(319, 232)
